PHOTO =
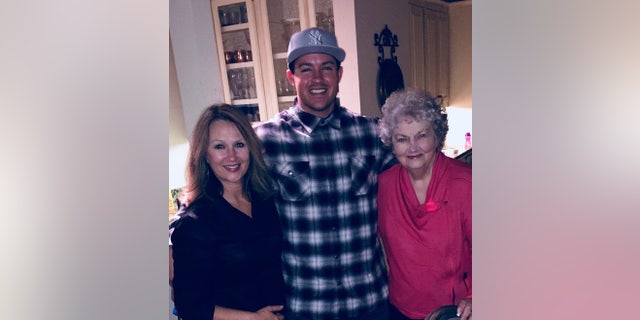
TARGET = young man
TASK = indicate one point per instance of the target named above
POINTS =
(325, 162)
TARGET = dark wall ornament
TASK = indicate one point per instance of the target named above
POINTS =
(389, 77)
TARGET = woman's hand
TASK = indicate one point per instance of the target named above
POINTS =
(269, 313)
(464, 309)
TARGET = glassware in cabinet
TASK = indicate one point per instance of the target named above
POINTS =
(324, 15)
(285, 91)
(237, 48)
(284, 19)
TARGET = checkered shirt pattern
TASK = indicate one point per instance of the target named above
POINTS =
(326, 175)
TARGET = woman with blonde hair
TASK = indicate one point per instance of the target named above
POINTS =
(227, 241)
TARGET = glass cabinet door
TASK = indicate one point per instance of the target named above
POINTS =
(284, 20)
(237, 50)
(323, 12)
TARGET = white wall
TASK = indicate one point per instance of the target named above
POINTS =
(178, 142)
(177, 131)
(194, 49)
(459, 124)
(196, 83)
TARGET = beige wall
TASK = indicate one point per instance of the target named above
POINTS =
(371, 17)
(460, 47)
(347, 34)
(356, 36)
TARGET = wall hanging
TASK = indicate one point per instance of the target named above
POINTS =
(389, 77)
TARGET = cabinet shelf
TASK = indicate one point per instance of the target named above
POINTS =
(280, 55)
(239, 65)
(235, 27)
(286, 98)
(244, 101)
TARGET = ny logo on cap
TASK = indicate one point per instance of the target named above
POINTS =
(315, 37)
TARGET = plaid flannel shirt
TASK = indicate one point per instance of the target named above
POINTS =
(326, 175)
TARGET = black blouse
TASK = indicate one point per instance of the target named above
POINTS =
(226, 258)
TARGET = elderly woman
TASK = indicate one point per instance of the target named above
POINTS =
(227, 242)
(424, 205)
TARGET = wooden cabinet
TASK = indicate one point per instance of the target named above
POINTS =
(429, 48)
(238, 46)
(252, 39)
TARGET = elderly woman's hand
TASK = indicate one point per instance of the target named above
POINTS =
(464, 309)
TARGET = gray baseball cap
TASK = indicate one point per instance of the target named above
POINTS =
(314, 40)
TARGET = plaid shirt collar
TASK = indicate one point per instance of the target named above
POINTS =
(311, 122)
